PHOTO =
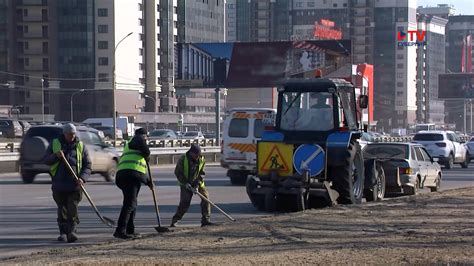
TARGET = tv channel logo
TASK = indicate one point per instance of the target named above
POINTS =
(411, 38)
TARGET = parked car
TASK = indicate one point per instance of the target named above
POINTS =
(37, 140)
(209, 135)
(162, 134)
(470, 146)
(407, 166)
(108, 131)
(193, 135)
(10, 128)
(25, 125)
(444, 145)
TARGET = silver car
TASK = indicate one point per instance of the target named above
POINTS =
(37, 140)
(408, 167)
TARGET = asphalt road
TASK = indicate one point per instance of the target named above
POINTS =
(28, 212)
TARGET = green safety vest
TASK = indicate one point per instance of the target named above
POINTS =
(132, 160)
(57, 147)
(201, 164)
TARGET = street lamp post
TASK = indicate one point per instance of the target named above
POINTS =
(114, 116)
(42, 98)
(154, 108)
(72, 96)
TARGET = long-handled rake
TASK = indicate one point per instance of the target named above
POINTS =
(195, 191)
(109, 222)
(159, 228)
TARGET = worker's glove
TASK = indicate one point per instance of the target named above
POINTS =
(190, 188)
(150, 184)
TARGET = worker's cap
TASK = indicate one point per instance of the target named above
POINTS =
(195, 148)
(69, 129)
(141, 131)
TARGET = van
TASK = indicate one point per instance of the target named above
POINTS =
(243, 127)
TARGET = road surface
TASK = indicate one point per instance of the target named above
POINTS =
(28, 212)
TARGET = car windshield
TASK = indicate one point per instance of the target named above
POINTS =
(386, 151)
(158, 133)
(307, 111)
(428, 137)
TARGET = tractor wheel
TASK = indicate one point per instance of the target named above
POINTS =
(349, 178)
(377, 192)
(300, 202)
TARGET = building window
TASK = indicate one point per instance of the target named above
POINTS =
(44, 14)
(299, 4)
(400, 75)
(140, 7)
(399, 66)
(25, 12)
(102, 12)
(140, 51)
(175, 9)
(103, 45)
(27, 61)
(140, 22)
(311, 4)
(103, 28)
(103, 61)
(25, 29)
(27, 45)
(45, 47)
(158, 22)
(399, 103)
(344, 5)
(399, 56)
(45, 64)
(334, 5)
(103, 77)
(141, 66)
(400, 84)
(158, 8)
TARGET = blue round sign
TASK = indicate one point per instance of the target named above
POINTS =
(310, 157)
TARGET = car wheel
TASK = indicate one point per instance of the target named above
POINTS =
(449, 164)
(438, 184)
(110, 174)
(412, 190)
(27, 176)
(465, 164)
(377, 192)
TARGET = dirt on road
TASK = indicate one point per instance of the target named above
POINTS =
(424, 229)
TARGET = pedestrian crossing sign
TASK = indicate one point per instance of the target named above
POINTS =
(273, 156)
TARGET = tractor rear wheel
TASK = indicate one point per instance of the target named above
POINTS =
(348, 179)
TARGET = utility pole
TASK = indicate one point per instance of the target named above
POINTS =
(42, 98)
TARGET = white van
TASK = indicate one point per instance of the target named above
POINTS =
(243, 127)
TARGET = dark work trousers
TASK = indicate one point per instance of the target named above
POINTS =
(185, 202)
(68, 216)
(130, 187)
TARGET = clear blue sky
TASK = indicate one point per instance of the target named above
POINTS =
(463, 7)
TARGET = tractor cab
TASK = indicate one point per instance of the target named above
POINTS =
(312, 109)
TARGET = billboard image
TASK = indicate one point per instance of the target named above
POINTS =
(255, 64)
(456, 86)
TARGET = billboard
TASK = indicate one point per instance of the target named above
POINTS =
(255, 64)
(456, 86)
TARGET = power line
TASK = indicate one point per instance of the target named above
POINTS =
(41, 77)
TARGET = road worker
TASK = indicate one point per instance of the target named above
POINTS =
(132, 172)
(66, 188)
(190, 172)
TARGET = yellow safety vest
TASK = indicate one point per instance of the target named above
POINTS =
(132, 160)
(201, 163)
(57, 147)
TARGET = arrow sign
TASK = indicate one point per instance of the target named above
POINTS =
(309, 157)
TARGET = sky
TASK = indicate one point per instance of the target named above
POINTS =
(463, 7)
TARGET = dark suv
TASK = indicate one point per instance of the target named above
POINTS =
(36, 142)
(10, 128)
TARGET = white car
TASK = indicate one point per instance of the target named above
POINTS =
(470, 146)
(444, 145)
(193, 135)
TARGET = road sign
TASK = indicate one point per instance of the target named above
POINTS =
(275, 156)
(310, 157)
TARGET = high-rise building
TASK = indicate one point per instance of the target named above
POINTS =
(441, 10)
(457, 29)
(430, 63)
(199, 22)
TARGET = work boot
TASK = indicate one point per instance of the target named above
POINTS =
(72, 236)
(63, 227)
(174, 223)
(207, 223)
(133, 234)
(122, 235)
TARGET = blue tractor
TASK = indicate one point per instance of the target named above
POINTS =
(311, 157)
